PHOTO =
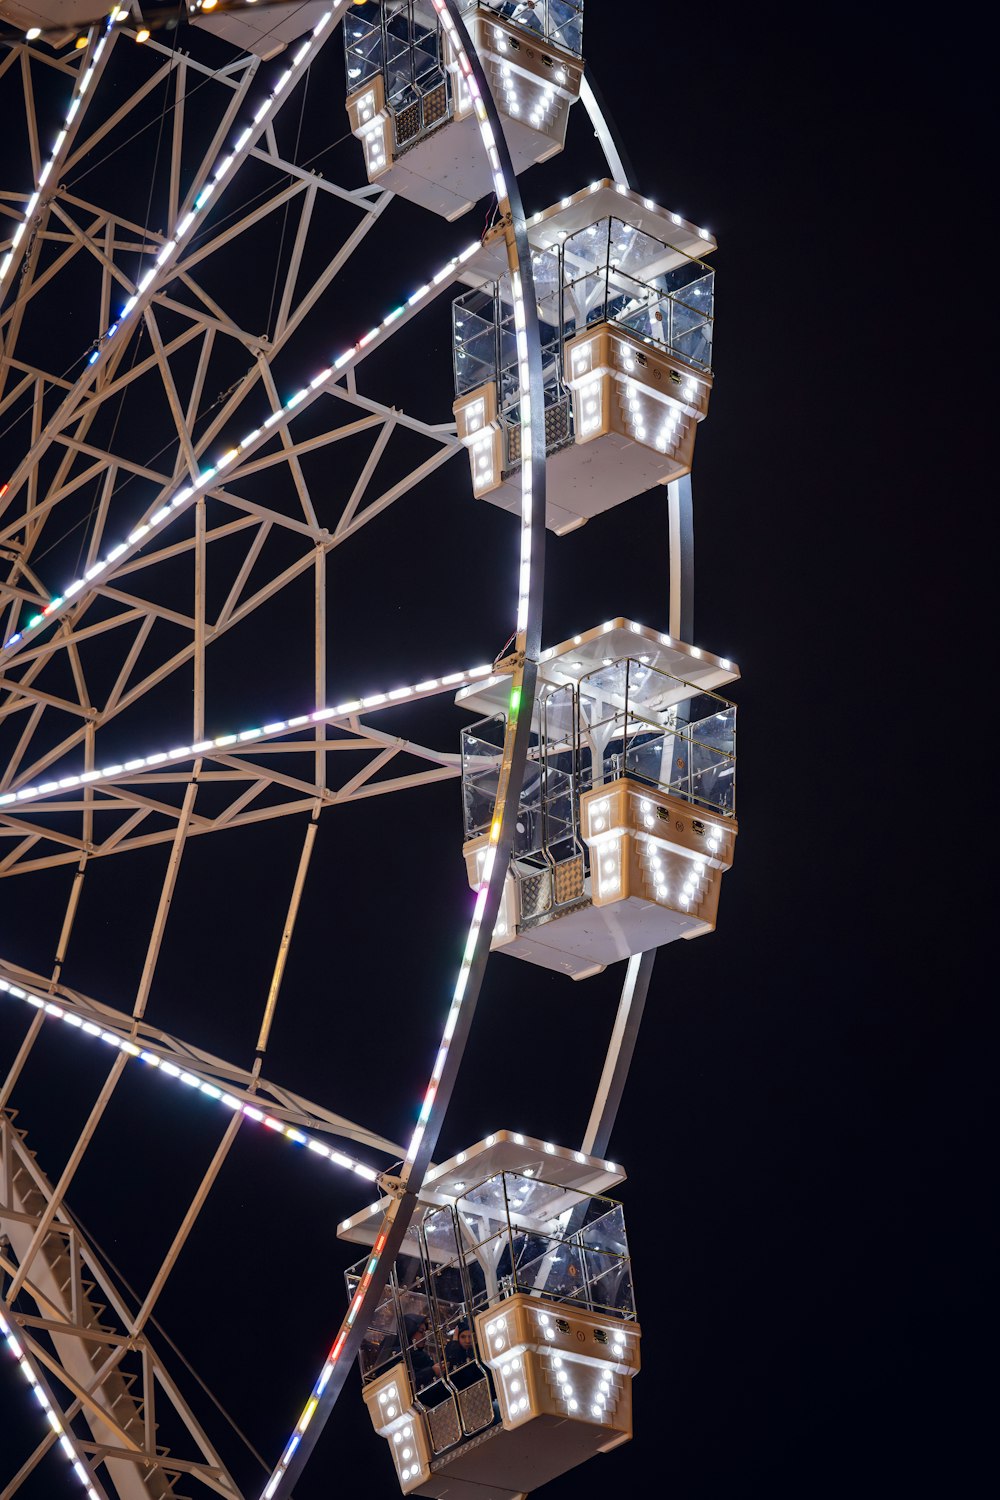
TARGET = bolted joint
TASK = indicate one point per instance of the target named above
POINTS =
(511, 663)
(392, 1186)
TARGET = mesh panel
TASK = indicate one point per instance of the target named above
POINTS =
(407, 123)
(443, 1423)
(513, 445)
(536, 894)
(435, 105)
(476, 1406)
(569, 880)
(557, 432)
(556, 424)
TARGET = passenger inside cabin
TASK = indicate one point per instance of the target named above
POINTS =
(460, 1358)
(421, 1363)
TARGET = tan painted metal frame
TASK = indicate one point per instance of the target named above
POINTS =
(110, 819)
(67, 226)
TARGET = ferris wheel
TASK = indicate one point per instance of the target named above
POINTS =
(200, 216)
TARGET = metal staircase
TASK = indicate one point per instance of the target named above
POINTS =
(105, 1379)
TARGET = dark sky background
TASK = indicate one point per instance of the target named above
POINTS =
(803, 1118)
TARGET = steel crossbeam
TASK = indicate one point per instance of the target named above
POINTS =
(243, 1083)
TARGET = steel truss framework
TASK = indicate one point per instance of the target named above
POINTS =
(164, 557)
(87, 1349)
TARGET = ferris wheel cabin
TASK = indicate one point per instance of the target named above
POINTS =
(626, 312)
(627, 817)
(503, 1349)
(410, 106)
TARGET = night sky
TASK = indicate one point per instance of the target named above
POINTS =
(802, 1118)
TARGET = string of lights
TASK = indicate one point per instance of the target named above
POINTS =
(83, 84)
(528, 625)
(38, 1391)
(342, 713)
(247, 444)
(166, 257)
(168, 1069)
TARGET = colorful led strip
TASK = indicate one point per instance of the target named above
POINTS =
(245, 446)
(223, 166)
(524, 581)
(167, 253)
(191, 1080)
(370, 704)
(65, 1441)
(81, 88)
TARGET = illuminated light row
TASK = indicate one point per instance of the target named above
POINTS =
(327, 1370)
(542, 96)
(342, 711)
(620, 187)
(602, 1397)
(451, 1022)
(457, 1189)
(81, 88)
(169, 249)
(222, 168)
(246, 444)
(665, 640)
(520, 328)
(65, 1439)
(200, 1085)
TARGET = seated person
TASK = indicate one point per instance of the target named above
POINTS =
(461, 1358)
(421, 1363)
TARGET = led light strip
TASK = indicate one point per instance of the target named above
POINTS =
(246, 445)
(627, 192)
(65, 1441)
(524, 580)
(81, 88)
(416, 693)
(191, 1080)
(223, 166)
(167, 252)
